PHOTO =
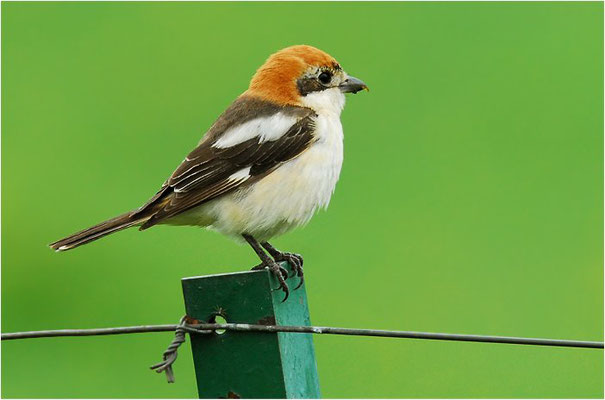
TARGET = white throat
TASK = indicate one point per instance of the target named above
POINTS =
(329, 101)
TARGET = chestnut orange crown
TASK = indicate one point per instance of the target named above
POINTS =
(276, 79)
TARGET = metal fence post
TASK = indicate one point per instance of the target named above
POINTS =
(251, 364)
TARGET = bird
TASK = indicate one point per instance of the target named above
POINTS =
(263, 168)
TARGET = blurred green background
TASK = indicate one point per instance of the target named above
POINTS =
(470, 199)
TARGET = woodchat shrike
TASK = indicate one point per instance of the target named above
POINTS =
(263, 168)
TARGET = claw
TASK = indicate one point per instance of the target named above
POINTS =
(296, 261)
(295, 265)
(283, 286)
(286, 296)
(299, 258)
(281, 274)
(302, 280)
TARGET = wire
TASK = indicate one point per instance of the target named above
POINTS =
(170, 354)
(402, 334)
(208, 328)
(92, 332)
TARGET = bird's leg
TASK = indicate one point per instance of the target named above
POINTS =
(267, 262)
(295, 260)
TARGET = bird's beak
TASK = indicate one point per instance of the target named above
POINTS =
(353, 85)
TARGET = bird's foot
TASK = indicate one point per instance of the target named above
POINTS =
(296, 261)
(261, 266)
(279, 272)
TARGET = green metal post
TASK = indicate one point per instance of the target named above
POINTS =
(251, 364)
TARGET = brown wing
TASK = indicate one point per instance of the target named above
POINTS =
(209, 172)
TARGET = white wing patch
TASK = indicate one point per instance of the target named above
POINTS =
(243, 173)
(266, 129)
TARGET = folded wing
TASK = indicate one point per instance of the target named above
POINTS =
(246, 143)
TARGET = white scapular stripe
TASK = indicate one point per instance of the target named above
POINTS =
(266, 129)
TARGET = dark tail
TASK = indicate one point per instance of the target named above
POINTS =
(98, 231)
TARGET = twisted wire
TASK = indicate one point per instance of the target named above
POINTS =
(171, 353)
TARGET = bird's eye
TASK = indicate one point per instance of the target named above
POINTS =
(325, 77)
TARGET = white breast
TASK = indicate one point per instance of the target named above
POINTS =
(289, 196)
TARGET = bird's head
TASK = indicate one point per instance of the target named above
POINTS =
(305, 76)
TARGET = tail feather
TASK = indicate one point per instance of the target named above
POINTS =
(98, 231)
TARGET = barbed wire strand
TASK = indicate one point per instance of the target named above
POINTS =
(169, 356)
